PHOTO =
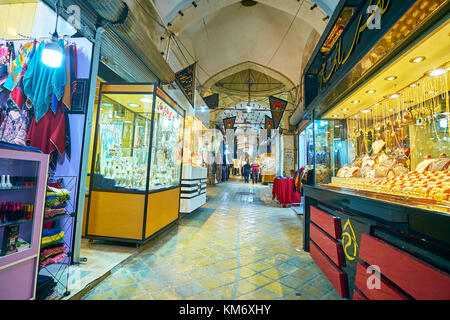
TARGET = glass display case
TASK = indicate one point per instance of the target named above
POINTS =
(193, 190)
(195, 151)
(22, 193)
(137, 154)
(267, 162)
(397, 141)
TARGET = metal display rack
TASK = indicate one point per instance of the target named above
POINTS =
(60, 271)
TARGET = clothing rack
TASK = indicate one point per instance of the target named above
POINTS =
(25, 37)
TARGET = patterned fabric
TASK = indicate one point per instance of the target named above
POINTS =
(6, 55)
(17, 66)
(15, 126)
(51, 252)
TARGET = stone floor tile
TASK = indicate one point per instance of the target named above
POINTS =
(273, 273)
(278, 289)
(259, 280)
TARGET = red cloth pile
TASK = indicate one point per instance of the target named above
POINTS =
(283, 190)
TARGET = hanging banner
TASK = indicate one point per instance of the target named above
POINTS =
(228, 123)
(212, 101)
(277, 107)
(186, 81)
(268, 124)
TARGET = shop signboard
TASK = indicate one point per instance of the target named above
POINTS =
(371, 20)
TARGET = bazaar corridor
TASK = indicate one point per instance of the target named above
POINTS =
(239, 245)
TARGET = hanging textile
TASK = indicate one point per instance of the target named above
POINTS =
(41, 82)
(7, 54)
(25, 52)
(35, 99)
(48, 134)
(71, 73)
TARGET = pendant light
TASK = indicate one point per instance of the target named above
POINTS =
(52, 55)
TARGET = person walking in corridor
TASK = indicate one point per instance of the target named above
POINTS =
(247, 168)
(255, 172)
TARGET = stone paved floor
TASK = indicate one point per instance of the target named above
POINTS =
(239, 245)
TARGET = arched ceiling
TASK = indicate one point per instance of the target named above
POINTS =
(253, 119)
(274, 37)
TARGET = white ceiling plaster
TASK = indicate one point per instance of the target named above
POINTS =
(237, 34)
(221, 34)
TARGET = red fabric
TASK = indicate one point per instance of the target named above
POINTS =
(283, 190)
(49, 133)
(255, 167)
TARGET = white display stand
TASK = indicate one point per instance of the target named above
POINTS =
(193, 188)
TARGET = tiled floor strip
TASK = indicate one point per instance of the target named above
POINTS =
(239, 245)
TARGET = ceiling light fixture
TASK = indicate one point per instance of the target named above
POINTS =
(390, 78)
(326, 18)
(395, 96)
(134, 105)
(371, 91)
(194, 4)
(413, 85)
(146, 100)
(356, 101)
(105, 104)
(314, 6)
(344, 110)
(391, 110)
(431, 91)
(437, 72)
(335, 116)
(377, 104)
(366, 111)
(417, 59)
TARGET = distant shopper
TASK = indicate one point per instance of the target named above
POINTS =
(255, 172)
(247, 169)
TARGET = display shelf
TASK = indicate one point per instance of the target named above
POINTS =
(59, 271)
(11, 223)
(17, 189)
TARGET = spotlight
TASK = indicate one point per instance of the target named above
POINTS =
(181, 13)
(326, 18)
(52, 55)
(161, 38)
(194, 4)
(314, 6)
(169, 24)
(437, 72)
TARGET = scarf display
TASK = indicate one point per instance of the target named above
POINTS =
(35, 99)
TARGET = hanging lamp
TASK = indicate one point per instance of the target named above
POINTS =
(52, 55)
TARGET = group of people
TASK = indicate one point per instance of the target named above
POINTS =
(252, 170)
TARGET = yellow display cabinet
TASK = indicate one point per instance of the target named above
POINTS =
(136, 163)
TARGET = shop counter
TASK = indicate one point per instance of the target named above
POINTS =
(268, 178)
(353, 235)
